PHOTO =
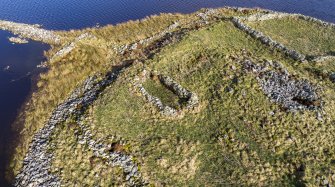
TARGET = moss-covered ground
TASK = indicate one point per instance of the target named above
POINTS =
(235, 137)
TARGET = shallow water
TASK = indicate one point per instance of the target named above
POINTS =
(73, 14)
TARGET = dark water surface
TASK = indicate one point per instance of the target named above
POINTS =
(15, 85)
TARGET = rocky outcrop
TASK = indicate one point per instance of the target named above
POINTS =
(268, 41)
(282, 88)
(30, 31)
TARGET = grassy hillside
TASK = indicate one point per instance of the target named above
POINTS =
(235, 136)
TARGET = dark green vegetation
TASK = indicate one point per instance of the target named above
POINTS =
(235, 137)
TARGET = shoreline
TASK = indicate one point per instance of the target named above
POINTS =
(33, 32)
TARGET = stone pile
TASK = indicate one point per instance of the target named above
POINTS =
(332, 77)
(283, 89)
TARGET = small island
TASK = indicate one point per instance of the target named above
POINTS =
(219, 97)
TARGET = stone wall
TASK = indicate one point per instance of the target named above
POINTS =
(268, 41)
(190, 97)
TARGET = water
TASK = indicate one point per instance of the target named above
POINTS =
(74, 14)
(17, 63)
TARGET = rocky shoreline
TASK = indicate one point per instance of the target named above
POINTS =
(33, 32)
(17, 40)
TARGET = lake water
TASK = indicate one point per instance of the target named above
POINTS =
(18, 61)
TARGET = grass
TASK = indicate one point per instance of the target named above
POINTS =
(306, 37)
(90, 57)
(82, 168)
(157, 89)
(234, 138)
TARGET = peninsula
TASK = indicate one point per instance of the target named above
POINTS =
(219, 97)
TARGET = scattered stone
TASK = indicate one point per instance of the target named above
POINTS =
(283, 89)
(30, 31)
(18, 40)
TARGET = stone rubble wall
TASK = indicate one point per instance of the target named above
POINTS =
(192, 98)
(122, 49)
(169, 83)
(36, 164)
(278, 15)
(323, 58)
(131, 170)
(268, 41)
(30, 31)
(68, 48)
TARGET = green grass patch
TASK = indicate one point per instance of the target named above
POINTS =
(237, 137)
(306, 37)
(157, 89)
